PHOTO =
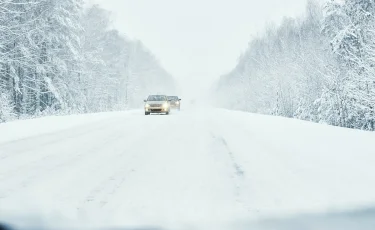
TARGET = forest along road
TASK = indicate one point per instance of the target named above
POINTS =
(203, 166)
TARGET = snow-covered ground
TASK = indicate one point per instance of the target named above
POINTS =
(17, 130)
(194, 167)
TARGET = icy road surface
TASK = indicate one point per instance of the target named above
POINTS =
(192, 166)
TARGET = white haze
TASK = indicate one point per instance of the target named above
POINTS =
(198, 40)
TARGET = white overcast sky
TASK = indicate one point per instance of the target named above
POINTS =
(198, 40)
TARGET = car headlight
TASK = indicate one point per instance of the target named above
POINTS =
(177, 102)
(147, 105)
(165, 105)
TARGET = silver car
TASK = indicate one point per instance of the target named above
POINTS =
(157, 104)
(175, 102)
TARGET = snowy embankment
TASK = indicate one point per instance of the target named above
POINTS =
(199, 167)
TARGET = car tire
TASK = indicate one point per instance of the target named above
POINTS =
(147, 113)
(167, 113)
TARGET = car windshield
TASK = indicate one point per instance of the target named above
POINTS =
(156, 98)
(173, 98)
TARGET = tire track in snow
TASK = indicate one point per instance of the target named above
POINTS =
(53, 159)
(103, 193)
(100, 199)
(238, 172)
(37, 170)
(30, 144)
(99, 195)
(93, 196)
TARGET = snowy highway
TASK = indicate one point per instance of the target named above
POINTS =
(200, 166)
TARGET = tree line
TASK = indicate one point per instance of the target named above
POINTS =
(58, 57)
(319, 67)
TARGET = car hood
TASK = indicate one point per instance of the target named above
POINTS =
(155, 102)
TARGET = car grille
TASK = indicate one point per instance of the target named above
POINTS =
(155, 105)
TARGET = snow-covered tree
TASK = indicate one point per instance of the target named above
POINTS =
(119, 72)
(318, 68)
(57, 57)
(350, 26)
(6, 108)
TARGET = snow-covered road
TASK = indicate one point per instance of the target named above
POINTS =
(200, 166)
